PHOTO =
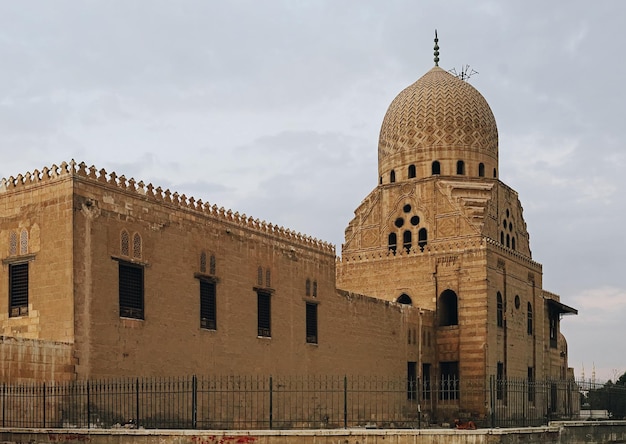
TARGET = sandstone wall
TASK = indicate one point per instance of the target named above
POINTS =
(30, 360)
(38, 208)
(356, 334)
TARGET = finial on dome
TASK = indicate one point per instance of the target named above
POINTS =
(436, 49)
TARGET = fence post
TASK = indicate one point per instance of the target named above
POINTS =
(492, 406)
(418, 391)
(44, 404)
(137, 402)
(345, 402)
(88, 406)
(271, 402)
(194, 402)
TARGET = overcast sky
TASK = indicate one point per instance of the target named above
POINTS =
(273, 109)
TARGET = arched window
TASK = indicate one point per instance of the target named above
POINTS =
(308, 288)
(494, 173)
(203, 262)
(508, 240)
(212, 264)
(24, 241)
(407, 240)
(513, 242)
(392, 176)
(125, 243)
(259, 276)
(380, 180)
(412, 173)
(436, 167)
(448, 308)
(314, 289)
(12, 243)
(502, 237)
(529, 326)
(481, 170)
(404, 299)
(137, 245)
(422, 238)
(460, 167)
(500, 310)
(393, 242)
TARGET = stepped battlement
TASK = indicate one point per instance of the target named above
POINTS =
(159, 195)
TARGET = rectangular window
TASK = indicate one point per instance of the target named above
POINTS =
(426, 384)
(449, 380)
(207, 305)
(264, 314)
(131, 290)
(311, 323)
(18, 289)
(411, 380)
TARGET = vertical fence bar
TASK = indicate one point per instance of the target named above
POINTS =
(345, 402)
(4, 402)
(418, 391)
(492, 405)
(137, 402)
(88, 406)
(271, 402)
(44, 403)
(194, 402)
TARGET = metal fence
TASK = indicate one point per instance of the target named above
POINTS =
(289, 402)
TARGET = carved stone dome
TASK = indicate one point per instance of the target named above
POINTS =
(439, 118)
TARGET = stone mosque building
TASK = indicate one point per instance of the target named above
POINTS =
(106, 276)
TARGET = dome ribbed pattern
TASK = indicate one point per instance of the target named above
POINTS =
(439, 110)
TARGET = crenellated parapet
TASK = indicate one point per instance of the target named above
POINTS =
(510, 252)
(435, 248)
(163, 196)
(36, 176)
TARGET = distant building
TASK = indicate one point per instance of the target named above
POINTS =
(103, 276)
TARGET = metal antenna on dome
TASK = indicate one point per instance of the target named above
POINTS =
(465, 73)
(436, 49)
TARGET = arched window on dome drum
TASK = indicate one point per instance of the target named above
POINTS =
(392, 176)
(393, 242)
(412, 172)
(502, 237)
(500, 310)
(404, 299)
(494, 173)
(422, 238)
(448, 309)
(529, 326)
(436, 167)
(380, 181)
(508, 241)
(481, 170)
(513, 243)
(407, 240)
(460, 167)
